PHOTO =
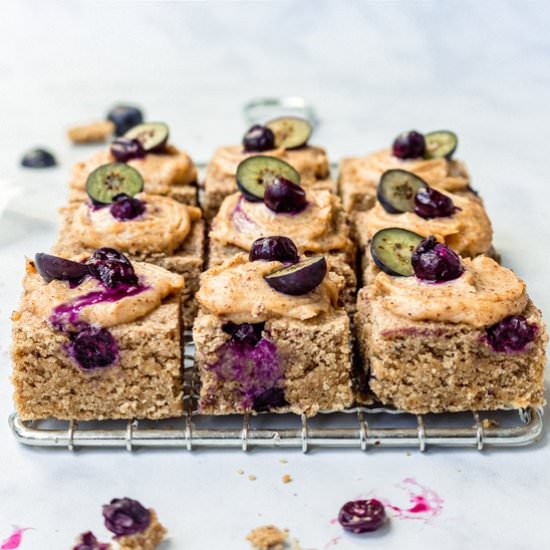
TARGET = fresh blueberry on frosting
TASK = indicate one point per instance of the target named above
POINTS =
(511, 334)
(409, 145)
(153, 136)
(53, 267)
(125, 516)
(93, 348)
(124, 117)
(362, 516)
(299, 278)
(112, 268)
(290, 132)
(277, 248)
(284, 196)
(109, 180)
(435, 262)
(391, 250)
(430, 203)
(125, 207)
(258, 138)
(127, 149)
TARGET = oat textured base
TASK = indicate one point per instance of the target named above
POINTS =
(424, 367)
(316, 356)
(148, 540)
(146, 383)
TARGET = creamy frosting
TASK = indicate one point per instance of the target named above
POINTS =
(317, 228)
(482, 296)
(43, 298)
(159, 170)
(236, 290)
(449, 175)
(163, 226)
(468, 231)
(310, 161)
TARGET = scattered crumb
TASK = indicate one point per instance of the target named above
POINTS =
(252, 477)
(15, 315)
(295, 545)
(283, 460)
(93, 132)
(267, 537)
(240, 471)
(287, 478)
(489, 423)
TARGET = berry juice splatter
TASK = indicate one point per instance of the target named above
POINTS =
(425, 503)
(14, 540)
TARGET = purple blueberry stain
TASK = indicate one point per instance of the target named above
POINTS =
(126, 516)
(88, 541)
(435, 262)
(276, 248)
(93, 348)
(125, 207)
(511, 334)
(409, 145)
(258, 138)
(362, 516)
(430, 203)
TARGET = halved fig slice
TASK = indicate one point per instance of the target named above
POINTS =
(299, 278)
(440, 144)
(152, 135)
(53, 267)
(290, 132)
(397, 189)
(254, 173)
(392, 249)
(109, 180)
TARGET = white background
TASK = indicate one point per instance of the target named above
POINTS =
(372, 69)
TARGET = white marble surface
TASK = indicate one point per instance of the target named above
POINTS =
(372, 69)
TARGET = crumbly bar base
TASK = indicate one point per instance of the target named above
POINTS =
(150, 539)
(317, 364)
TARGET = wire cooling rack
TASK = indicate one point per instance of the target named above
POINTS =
(362, 428)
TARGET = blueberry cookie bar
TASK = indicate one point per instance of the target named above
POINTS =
(284, 138)
(270, 337)
(97, 337)
(165, 169)
(438, 333)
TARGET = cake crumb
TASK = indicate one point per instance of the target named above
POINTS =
(240, 471)
(252, 477)
(489, 423)
(94, 132)
(267, 537)
(15, 315)
(287, 478)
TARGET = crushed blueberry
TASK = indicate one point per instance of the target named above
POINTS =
(93, 348)
(38, 158)
(283, 195)
(361, 516)
(88, 541)
(259, 138)
(409, 145)
(435, 262)
(511, 334)
(272, 398)
(127, 149)
(125, 207)
(249, 333)
(277, 248)
(124, 117)
(112, 268)
(125, 516)
(430, 203)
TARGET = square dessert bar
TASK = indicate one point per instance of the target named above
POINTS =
(88, 372)
(259, 349)
(186, 260)
(219, 182)
(449, 364)
(171, 173)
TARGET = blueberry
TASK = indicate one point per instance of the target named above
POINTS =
(284, 196)
(511, 334)
(435, 262)
(300, 278)
(391, 250)
(53, 267)
(127, 149)
(124, 117)
(430, 203)
(88, 541)
(409, 145)
(397, 189)
(361, 516)
(125, 516)
(270, 399)
(249, 333)
(38, 158)
(290, 132)
(93, 348)
(258, 138)
(125, 207)
(280, 249)
(112, 268)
